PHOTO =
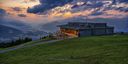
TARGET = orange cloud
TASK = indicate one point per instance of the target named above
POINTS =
(115, 12)
(67, 15)
(18, 3)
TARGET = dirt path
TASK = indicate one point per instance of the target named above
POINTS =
(23, 46)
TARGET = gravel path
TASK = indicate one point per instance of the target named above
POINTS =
(24, 46)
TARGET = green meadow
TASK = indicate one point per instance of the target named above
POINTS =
(111, 49)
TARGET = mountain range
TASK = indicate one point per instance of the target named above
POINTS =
(8, 33)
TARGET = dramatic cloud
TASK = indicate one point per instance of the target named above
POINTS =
(124, 1)
(2, 12)
(26, 1)
(97, 13)
(21, 15)
(32, 0)
(122, 9)
(16, 9)
(47, 5)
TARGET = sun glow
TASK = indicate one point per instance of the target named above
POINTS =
(67, 15)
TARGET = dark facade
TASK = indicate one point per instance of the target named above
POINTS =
(78, 29)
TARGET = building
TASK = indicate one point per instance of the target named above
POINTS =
(78, 29)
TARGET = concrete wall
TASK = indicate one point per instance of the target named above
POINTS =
(109, 31)
(99, 31)
(89, 32)
(86, 32)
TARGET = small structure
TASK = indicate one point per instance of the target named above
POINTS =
(78, 29)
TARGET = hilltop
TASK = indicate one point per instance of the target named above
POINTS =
(84, 50)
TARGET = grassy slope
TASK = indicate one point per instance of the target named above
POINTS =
(29, 43)
(84, 50)
(1, 48)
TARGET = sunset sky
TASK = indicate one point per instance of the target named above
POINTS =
(44, 11)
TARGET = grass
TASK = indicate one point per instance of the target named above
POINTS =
(84, 50)
(37, 41)
(1, 48)
(30, 43)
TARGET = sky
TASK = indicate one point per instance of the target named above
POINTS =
(17, 9)
(34, 12)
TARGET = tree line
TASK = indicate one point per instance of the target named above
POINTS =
(14, 43)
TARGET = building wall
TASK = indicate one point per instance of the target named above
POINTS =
(99, 31)
(110, 31)
(100, 25)
(89, 32)
(86, 32)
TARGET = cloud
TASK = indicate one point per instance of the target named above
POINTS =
(97, 13)
(124, 1)
(47, 5)
(33, 0)
(26, 1)
(22, 15)
(2, 12)
(122, 9)
(96, 4)
(16, 9)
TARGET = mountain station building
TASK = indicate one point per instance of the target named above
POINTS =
(78, 29)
